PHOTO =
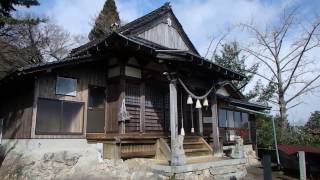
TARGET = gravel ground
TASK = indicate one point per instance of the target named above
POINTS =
(256, 173)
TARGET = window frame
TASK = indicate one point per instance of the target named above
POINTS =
(37, 133)
(227, 118)
(67, 77)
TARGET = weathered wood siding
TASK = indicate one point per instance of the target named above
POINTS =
(154, 108)
(165, 35)
(133, 124)
(113, 95)
(85, 76)
(16, 109)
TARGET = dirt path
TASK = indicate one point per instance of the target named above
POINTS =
(256, 173)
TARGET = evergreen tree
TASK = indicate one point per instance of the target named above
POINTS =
(107, 17)
(314, 121)
(7, 6)
(230, 58)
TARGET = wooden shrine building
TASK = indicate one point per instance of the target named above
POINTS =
(136, 91)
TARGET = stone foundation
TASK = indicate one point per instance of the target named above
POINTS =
(78, 159)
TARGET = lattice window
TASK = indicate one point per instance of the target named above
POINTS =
(167, 101)
(132, 94)
(154, 98)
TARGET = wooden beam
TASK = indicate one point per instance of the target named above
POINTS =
(200, 120)
(215, 129)
(142, 106)
(34, 107)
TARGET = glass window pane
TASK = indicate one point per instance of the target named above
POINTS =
(237, 119)
(66, 86)
(96, 97)
(230, 119)
(71, 117)
(59, 117)
(222, 118)
(48, 116)
(244, 120)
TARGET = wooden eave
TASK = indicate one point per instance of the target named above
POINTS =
(186, 56)
(243, 103)
(136, 45)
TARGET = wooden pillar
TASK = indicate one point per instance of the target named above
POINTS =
(302, 165)
(267, 171)
(252, 131)
(122, 96)
(215, 129)
(200, 118)
(35, 107)
(173, 110)
(142, 106)
(177, 152)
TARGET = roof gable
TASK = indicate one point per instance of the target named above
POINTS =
(230, 90)
(162, 27)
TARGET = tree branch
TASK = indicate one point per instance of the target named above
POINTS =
(302, 53)
(304, 89)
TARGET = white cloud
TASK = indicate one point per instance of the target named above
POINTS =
(75, 15)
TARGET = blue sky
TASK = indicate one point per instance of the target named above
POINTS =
(201, 19)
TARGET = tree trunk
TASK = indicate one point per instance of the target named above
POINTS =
(283, 112)
(281, 102)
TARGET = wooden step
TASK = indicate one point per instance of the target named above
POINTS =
(196, 150)
(143, 154)
(193, 143)
(192, 146)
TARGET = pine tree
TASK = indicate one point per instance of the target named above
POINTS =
(8, 6)
(230, 58)
(107, 17)
(314, 120)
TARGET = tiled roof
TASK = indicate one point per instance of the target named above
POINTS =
(292, 149)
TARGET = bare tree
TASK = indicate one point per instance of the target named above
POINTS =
(284, 51)
(41, 41)
(56, 42)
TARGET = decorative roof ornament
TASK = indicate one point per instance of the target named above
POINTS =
(114, 26)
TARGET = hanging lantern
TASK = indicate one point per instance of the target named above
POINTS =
(205, 102)
(192, 130)
(198, 104)
(189, 100)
